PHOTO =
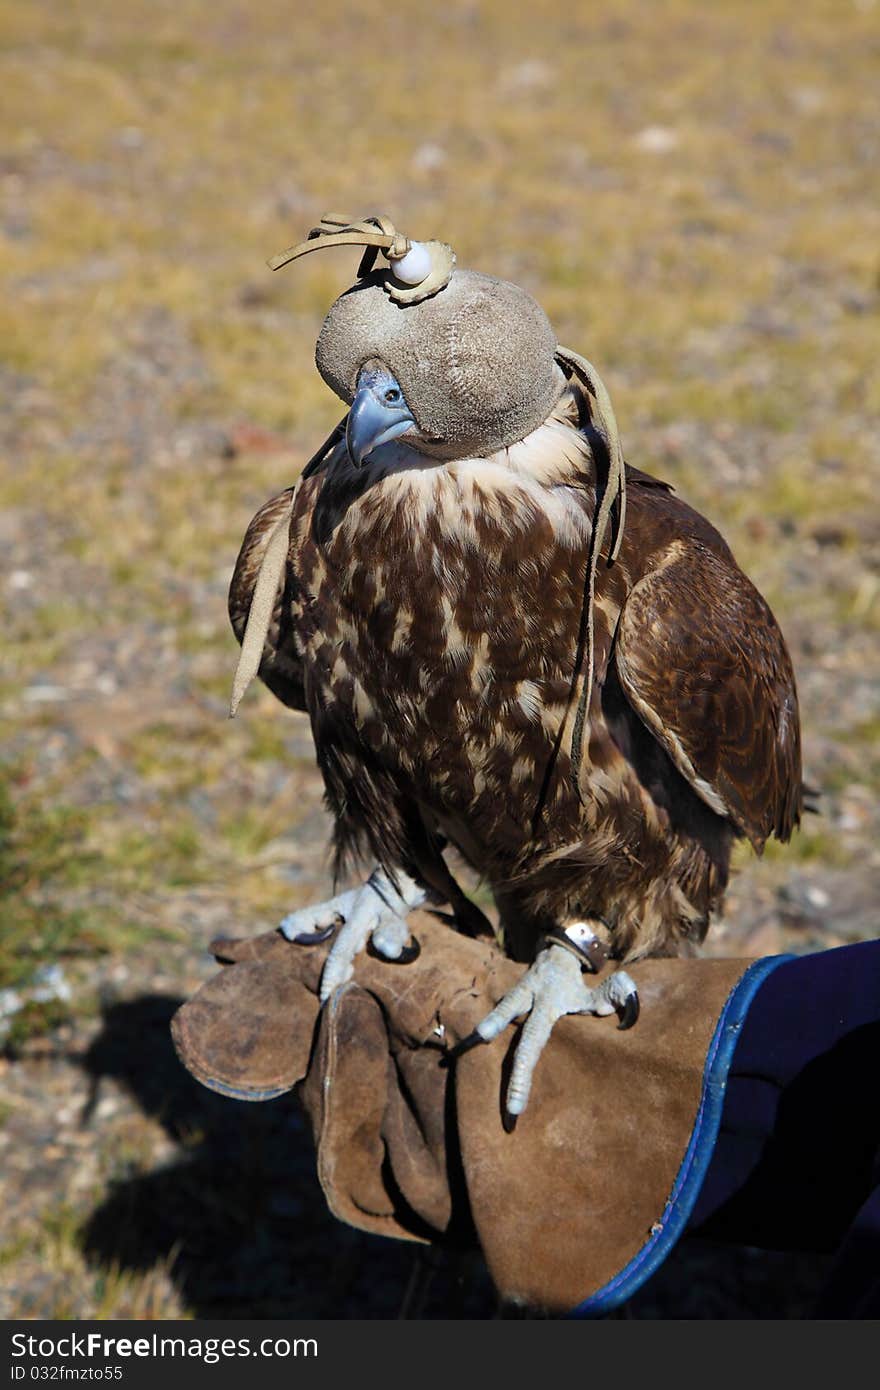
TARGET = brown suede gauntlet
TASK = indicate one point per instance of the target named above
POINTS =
(411, 1144)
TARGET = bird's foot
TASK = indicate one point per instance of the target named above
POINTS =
(552, 987)
(372, 917)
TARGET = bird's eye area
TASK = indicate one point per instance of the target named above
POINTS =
(392, 395)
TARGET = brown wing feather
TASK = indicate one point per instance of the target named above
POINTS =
(280, 667)
(703, 663)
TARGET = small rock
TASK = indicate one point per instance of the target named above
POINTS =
(130, 137)
(656, 139)
(44, 694)
(248, 438)
(827, 534)
(254, 296)
(10, 1002)
(808, 99)
(49, 983)
(855, 303)
(428, 159)
(527, 77)
(107, 1108)
(803, 899)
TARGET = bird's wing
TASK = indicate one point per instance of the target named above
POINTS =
(259, 580)
(257, 609)
(703, 663)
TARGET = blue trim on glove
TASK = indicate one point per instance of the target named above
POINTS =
(698, 1157)
(234, 1093)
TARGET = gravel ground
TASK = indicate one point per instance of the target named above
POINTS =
(692, 195)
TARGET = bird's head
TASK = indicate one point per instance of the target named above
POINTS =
(458, 375)
(457, 363)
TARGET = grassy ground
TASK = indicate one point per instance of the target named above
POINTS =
(692, 193)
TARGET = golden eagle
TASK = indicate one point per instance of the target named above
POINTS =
(591, 725)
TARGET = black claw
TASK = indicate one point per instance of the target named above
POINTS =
(406, 957)
(629, 1014)
(472, 1040)
(509, 1122)
(314, 938)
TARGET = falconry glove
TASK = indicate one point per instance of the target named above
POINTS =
(410, 1141)
(746, 1126)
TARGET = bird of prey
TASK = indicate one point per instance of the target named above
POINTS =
(589, 701)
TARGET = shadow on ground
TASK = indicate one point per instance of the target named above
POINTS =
(242, 1224)
(240, 1218)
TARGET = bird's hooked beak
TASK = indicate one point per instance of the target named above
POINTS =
(378, 413)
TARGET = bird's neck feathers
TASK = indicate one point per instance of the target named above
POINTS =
(542, 475)
(556, 454)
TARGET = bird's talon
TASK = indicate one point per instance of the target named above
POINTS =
(406, 956)
(410, 953)
(372, 916)
(466, 1045)
(315, 938)
(629, 1013)
(551, 988)
(508, 1121)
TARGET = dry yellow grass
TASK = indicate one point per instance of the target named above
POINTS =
(693, 193)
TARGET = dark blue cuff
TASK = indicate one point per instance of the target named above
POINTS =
(698, 1157)
(784, 1152)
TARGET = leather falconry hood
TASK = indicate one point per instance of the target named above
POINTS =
(474, 356)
